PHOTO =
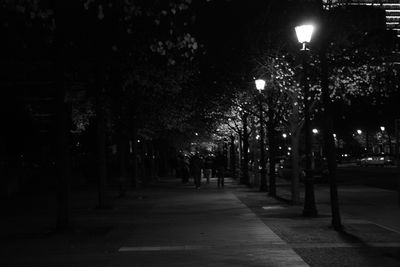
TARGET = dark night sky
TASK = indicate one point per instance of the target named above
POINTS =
(232, 30)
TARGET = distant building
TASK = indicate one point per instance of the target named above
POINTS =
(391, 7)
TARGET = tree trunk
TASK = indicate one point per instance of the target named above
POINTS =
(62, 146)
(295, 185)
(397, 154)
(232, 156)
(153, 166)
(254, 155)
(245, 151)
(240, 155)
(135, 166)
(62, 164)
(101, 153)
(123, 150)
(272, 156)
(329, 141)
(295, 152)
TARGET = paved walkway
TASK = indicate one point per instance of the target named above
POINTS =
(167, 225)
(170, 224)
(206, 227)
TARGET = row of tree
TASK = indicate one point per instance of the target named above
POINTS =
(350, 61)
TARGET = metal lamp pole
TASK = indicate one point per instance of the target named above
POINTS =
(304, 34)
(260, 85)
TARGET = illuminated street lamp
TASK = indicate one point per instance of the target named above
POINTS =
(359, 132)
(315, 131)
(382, 128)
(260, 85)
(304, 35)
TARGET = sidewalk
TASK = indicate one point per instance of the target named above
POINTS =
(364, 242)
(378, 206)
(170, 224)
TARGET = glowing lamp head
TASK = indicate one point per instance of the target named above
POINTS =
(359, 131)
(304, 33)
(382, 128)
(260, 84)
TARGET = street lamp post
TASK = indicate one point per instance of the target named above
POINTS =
(304, 34)
(260, 85)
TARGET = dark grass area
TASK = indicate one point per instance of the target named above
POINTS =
(322, 232)
(318, 243)
(365, 257)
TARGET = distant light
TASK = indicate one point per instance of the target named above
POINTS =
(138, 141)
(315, 131)
(284, 135)
(280, 147)
(359, 131)
(334, 135)
(382, 128)
(288, 153)
(260, 84)
(196, 134)
(289, 148)
(257, 136)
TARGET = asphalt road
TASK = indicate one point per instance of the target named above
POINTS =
(379, 177)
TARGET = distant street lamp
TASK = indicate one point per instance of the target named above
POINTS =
(382, 145)
(315, 131)
(260, 85)
(360, 132)
(304, 34)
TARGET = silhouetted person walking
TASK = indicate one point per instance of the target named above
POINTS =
(208, 164)
(196, 166)
(183, 169)
(220, 168)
